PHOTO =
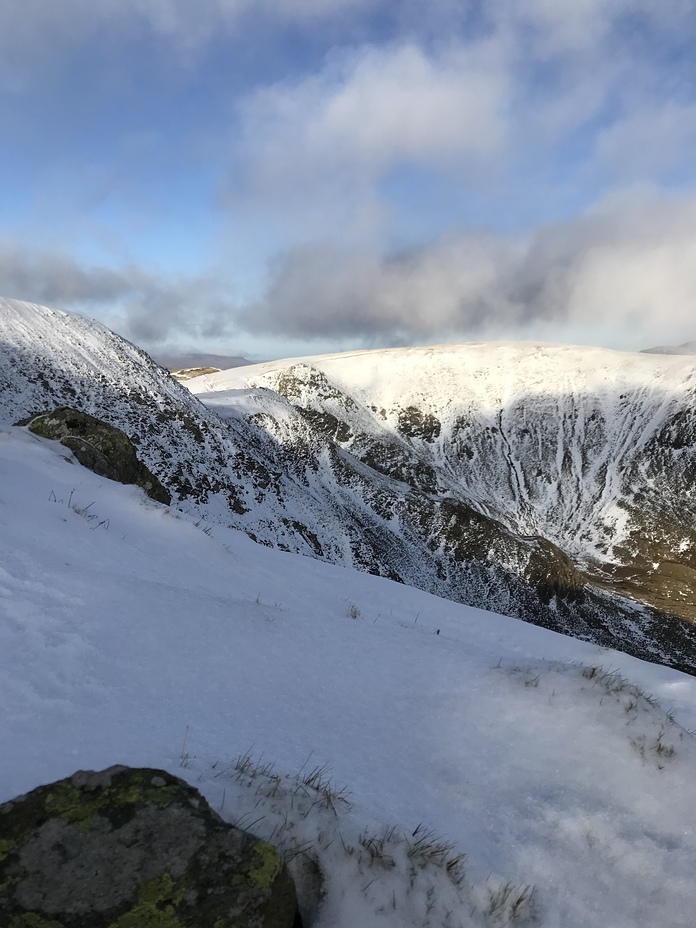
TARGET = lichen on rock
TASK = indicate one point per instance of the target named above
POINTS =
(134, 848)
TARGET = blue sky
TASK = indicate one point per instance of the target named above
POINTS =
(272, 177)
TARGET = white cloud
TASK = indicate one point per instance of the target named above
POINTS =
(627, 265)
(562, 27)
(630, 261)
(554, 94)
(314, 151)
(40, 38)
(373, 107)
(556, 25)
(536, 84)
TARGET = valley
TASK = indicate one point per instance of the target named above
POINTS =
(420, 757)
(550, 483)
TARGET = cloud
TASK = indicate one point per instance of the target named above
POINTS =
(41, 39)
(311, 153)
(515, 109)
(147, 308)
(562, 27)
(371, 107)
(523, 88)
(565, 96)
(627, 264)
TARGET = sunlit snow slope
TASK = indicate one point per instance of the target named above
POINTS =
(129, 635)
(593, 450)
(554, 485)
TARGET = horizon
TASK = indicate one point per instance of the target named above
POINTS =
(177, 357)
(275, 180)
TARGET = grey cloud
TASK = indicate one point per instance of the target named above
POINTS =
(51, 277)
(143, 306)
(629, 265)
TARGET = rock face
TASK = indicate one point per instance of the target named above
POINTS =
(134, 848)
(101, 447)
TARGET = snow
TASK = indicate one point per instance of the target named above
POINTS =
(502, 369)
(587, 419)
(602, 469)
(129, 634)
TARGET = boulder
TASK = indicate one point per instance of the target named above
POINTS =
(134, 848)
(102, 448)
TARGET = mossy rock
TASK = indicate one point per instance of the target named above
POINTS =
(102, 448)
(134, 848)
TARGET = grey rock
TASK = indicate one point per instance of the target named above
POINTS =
(134, 848)
(99, 446)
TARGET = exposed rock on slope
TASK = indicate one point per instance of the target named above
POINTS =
(420, 466)
(134, 848)
(102, 448)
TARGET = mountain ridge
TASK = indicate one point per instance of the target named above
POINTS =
(274, 460)
(597, 457)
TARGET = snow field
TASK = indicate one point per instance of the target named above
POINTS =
(580, 416)
(545, 761)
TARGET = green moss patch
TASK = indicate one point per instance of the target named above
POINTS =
(134, 848)
(156, 905)
(80, 807)
(269, 865)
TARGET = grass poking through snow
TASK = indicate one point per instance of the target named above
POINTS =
(348, 872)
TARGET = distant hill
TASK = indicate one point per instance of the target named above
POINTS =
(188, 373)
(221, 362)
(686, 348)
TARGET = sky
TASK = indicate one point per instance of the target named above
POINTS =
(286, 177)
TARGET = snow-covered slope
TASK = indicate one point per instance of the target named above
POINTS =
(593, 450)
(442, 468)
(129, 635)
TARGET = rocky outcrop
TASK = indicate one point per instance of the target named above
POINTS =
(134, 848)
(102, 448)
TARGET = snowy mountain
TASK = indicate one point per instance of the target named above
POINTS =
(586, 456)
(422, 764)
(589, 449)
(553, 484)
